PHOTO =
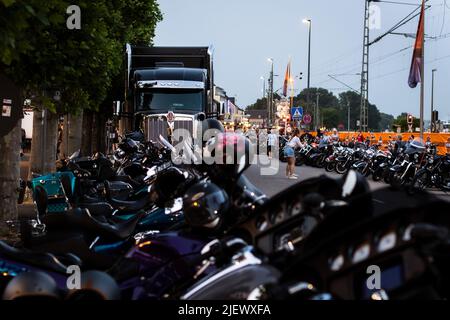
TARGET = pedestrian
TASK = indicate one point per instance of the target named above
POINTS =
(271, 142)
(319, 133)
(447, 147)
(324, 140)
(335, 136)
(289, 153)
(360, 137)
(380, 141)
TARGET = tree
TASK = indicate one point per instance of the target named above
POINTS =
(402, 121)
(261, 103)
(40, 53)
(386, 121)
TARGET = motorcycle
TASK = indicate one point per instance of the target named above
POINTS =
(402, 174)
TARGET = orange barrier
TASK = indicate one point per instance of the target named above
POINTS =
(439, 139)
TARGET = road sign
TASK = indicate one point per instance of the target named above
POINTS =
(307, 119)
(297, 113)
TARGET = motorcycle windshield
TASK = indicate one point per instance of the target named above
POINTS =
(414, 147)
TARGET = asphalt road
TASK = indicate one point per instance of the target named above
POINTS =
(271, 179)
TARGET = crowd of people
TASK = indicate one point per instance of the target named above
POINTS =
(297, 138)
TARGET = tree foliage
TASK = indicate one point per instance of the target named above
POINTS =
(41, 54)
(402, 121)
(334, 110)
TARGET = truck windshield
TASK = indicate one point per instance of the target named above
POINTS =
(170, 100)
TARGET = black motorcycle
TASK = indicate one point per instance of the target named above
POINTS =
(402, 174)
(436, 174)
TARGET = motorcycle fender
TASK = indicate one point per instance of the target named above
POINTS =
(236, 285)
(359, 165)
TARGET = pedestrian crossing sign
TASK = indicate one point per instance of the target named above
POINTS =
(297, 113)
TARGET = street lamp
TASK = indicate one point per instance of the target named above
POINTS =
(309, 23)
(270, 95)
(433, 125)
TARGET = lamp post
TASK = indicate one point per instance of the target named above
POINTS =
(316, 114)
(433, 125)
(270, 94)
(309, 23)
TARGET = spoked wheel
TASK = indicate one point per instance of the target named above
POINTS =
(377, 175)
(320, 162)
(341, 168)
(396, 181)
(299, 161)
(387, 176)
(420, 182)
(330, 166)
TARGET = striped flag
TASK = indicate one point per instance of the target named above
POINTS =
(287, 79)
(415, 74)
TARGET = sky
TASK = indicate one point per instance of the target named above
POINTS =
(245, 33)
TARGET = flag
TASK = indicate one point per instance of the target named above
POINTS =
(287, 79)
(415, 74)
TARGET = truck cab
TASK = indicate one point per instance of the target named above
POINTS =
(168, 88)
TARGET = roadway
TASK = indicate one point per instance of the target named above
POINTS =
(384, 198)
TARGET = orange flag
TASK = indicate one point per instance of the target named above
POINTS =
(415, 74)
(287, 79)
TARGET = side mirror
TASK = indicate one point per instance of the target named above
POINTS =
(117, 108)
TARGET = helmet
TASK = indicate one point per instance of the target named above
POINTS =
(96, 285)
(204, 203)
(33, 284)
(166, 184)
(229, 154)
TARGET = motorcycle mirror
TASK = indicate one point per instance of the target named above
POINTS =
(349, 183)
(166, 143)
(75, 155)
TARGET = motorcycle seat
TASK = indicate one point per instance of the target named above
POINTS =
(82, 221)
(38, 259)
(125, 205)
(98, 208)
(128, 180)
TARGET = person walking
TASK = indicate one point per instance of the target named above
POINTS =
(294, 142)
(271, 142)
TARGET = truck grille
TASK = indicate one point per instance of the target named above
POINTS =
(155, 126)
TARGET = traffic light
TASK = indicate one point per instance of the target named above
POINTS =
(410, 119)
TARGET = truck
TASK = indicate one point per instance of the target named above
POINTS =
(167, 88)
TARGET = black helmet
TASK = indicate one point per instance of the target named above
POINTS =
(31, 285)
(96, 285)
(204, 203)
(229, 154)
(166, 184)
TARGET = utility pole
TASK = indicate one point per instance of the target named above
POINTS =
(309, 23)
(316, 114)
(272, 113)
(422, 82)
(348, 115)
(364, 114)
(270, 94)
(433, 124)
